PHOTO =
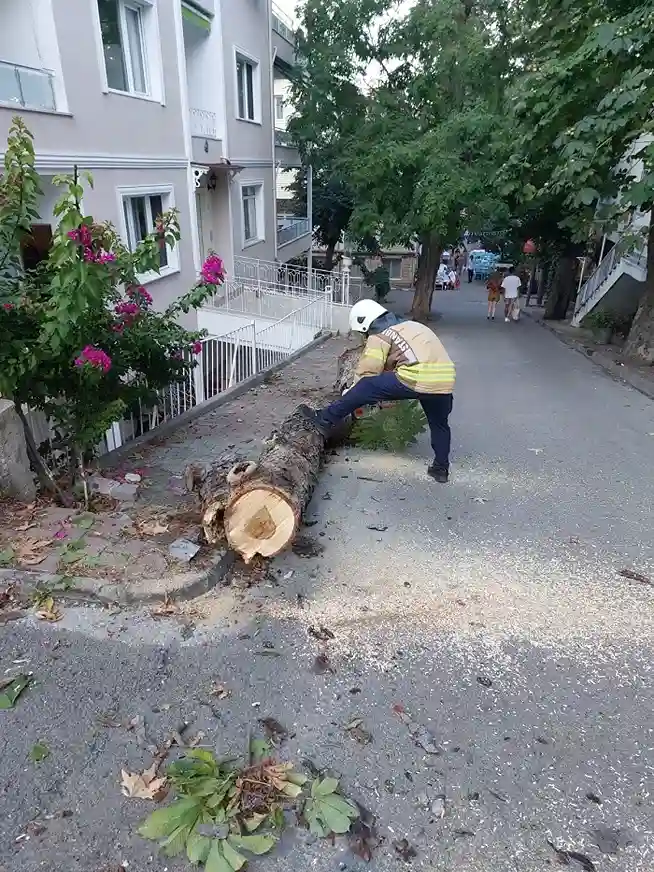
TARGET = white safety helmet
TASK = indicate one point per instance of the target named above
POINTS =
(363, 313)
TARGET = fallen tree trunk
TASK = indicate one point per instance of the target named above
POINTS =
(212, 485)
(263, 511)
(347, 364)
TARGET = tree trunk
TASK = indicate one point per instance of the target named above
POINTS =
(347, 364)
(329, 256)
(263, 512)
(563, 290)
(640, 342)
(211, 484)
(428, 261)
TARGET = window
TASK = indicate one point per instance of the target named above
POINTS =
(252, 209)
(123, 42)
(140, 212)
(394, 267)
(279, 108)
(246, 88)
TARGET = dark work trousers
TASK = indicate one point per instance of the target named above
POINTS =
(471, 272)
(387, 386)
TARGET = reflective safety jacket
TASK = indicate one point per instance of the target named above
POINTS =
(414, 353)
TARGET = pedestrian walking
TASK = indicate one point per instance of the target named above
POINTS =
(402, 360)
(511, 287)
(494, 287)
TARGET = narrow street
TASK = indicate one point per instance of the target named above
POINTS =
(491, 608)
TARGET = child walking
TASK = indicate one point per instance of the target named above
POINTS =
(494, 286)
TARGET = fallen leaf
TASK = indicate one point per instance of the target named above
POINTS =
(13, 689)
(635, 576)
(322, 665)
(31, 552)
(143, 785)
(421, 736)
(358, 732)
(377, 529)
(323, 634)
(363, 837)
(438, 806)
(404, 850)
(459, 833)
(564, 857)
(273, 730)
(48, 611)
(484, 681)
(39, 752)
(7, 595)
(166, 608)
(23, 528)
(151, 528)
(137, 724)
(6, 556)
(220, 690)
(593, 797)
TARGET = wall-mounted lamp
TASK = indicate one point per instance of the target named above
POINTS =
(212, 181)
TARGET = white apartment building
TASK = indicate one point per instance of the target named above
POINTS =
(167, 103)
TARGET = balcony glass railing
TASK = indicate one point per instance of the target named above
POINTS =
(293, 228)
(283, 138)
(282, 24)
(27, 87)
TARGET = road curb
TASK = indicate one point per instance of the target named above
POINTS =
(619, 371)
(179, 587)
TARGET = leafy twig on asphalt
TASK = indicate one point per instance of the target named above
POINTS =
(11, 689)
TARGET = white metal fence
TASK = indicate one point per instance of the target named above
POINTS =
(296, 280)
(224, 362)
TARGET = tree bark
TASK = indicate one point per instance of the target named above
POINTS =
(212, 485)
(263, 512)
(347, 364)
(329, 256)
(428, 261)
(563, 290)
(640, 341)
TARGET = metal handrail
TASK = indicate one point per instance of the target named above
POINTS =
(609, 262)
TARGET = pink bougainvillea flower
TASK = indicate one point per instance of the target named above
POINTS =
(7, 306)
(213, 270)
(118, 327)
(196, 348)
(94, 357)
(61, 534)
(106, 257)
(127, 308)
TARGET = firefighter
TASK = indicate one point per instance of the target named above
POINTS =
(402, 360)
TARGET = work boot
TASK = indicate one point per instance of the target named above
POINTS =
(438, 473)
(314, 418)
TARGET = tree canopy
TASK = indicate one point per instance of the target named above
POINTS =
(454, 114)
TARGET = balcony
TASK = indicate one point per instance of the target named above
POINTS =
(283, 39)
(291, 230)
(27, 87)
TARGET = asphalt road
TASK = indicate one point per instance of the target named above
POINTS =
(491, 608)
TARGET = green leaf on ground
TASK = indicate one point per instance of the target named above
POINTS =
(84, 522)
(13, 689)
(216, 861)
(197, 848)
(7, 556)
(327, 811)
(39, 752)
(260, 749)
(253, 844)
(164, 821)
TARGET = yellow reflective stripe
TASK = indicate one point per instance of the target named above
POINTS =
(374, 354)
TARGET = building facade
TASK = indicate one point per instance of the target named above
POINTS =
(167, 103)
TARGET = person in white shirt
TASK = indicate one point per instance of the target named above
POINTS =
(511, 288)
(443, 275)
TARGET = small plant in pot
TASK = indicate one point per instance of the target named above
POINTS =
(602, 323)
